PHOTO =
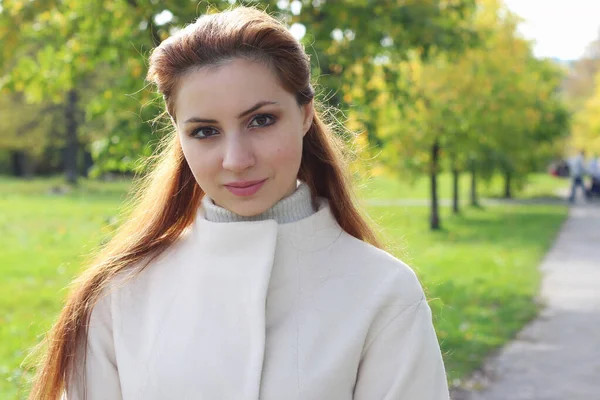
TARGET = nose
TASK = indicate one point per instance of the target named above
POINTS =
(238, 155)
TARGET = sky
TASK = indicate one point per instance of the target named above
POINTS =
(560, 28)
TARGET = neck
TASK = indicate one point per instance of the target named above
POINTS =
(292, 208)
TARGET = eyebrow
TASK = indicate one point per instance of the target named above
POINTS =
(257, 106)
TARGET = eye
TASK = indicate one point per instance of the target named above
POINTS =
(204, 132)
(262, 120)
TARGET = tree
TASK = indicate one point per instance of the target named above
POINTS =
(586, 129)
(26, 130)
(481, 107)
(61, 46)
(579, 84)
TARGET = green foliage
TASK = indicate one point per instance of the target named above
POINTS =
(101, 48)
(494, 104)
(586, 132)
(580, 83)
(27, 127)
(405, 75)
(490, 108)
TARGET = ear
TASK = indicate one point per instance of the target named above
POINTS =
(308, 114)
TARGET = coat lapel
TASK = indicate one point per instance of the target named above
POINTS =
(229, 268)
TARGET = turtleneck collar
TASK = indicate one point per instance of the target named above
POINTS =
(292, 208)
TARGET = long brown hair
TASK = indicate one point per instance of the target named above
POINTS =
(169, 196)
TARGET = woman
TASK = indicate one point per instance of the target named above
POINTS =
(246, 271)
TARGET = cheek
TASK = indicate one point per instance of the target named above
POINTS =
(286, 152)
(200, 161)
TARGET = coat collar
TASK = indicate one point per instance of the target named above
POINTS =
(314, 232)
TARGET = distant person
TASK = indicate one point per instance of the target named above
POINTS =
(246, 271)
(594, 166)
(578, 171)
(594, 172)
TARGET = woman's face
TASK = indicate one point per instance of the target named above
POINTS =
(241, 134)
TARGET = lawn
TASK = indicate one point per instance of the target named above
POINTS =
(390, 187)
(480, 271)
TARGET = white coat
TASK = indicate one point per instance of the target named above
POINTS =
(260, 310)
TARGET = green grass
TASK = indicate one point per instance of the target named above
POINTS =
(387, 187)
(480, 272)
(44, 240)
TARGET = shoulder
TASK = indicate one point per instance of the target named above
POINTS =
(375, 273)
(393, 298)
(391, 279)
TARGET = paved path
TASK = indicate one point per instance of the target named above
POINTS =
(557, 357)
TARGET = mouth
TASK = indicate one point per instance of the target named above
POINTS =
(245, 188)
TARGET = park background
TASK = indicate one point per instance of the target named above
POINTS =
(451, 116)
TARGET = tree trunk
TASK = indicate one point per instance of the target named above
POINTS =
(22, 166)
(88, 162)
(474, 201)
(507, 185)
(455, 187)
(435, 216)
(71, 148)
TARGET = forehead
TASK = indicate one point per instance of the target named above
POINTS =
(227, 90)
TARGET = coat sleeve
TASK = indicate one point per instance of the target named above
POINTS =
(404, 361)
(95, 375)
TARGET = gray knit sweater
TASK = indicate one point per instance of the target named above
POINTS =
(293, 208)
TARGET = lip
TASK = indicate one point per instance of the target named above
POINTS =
(245, 188)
